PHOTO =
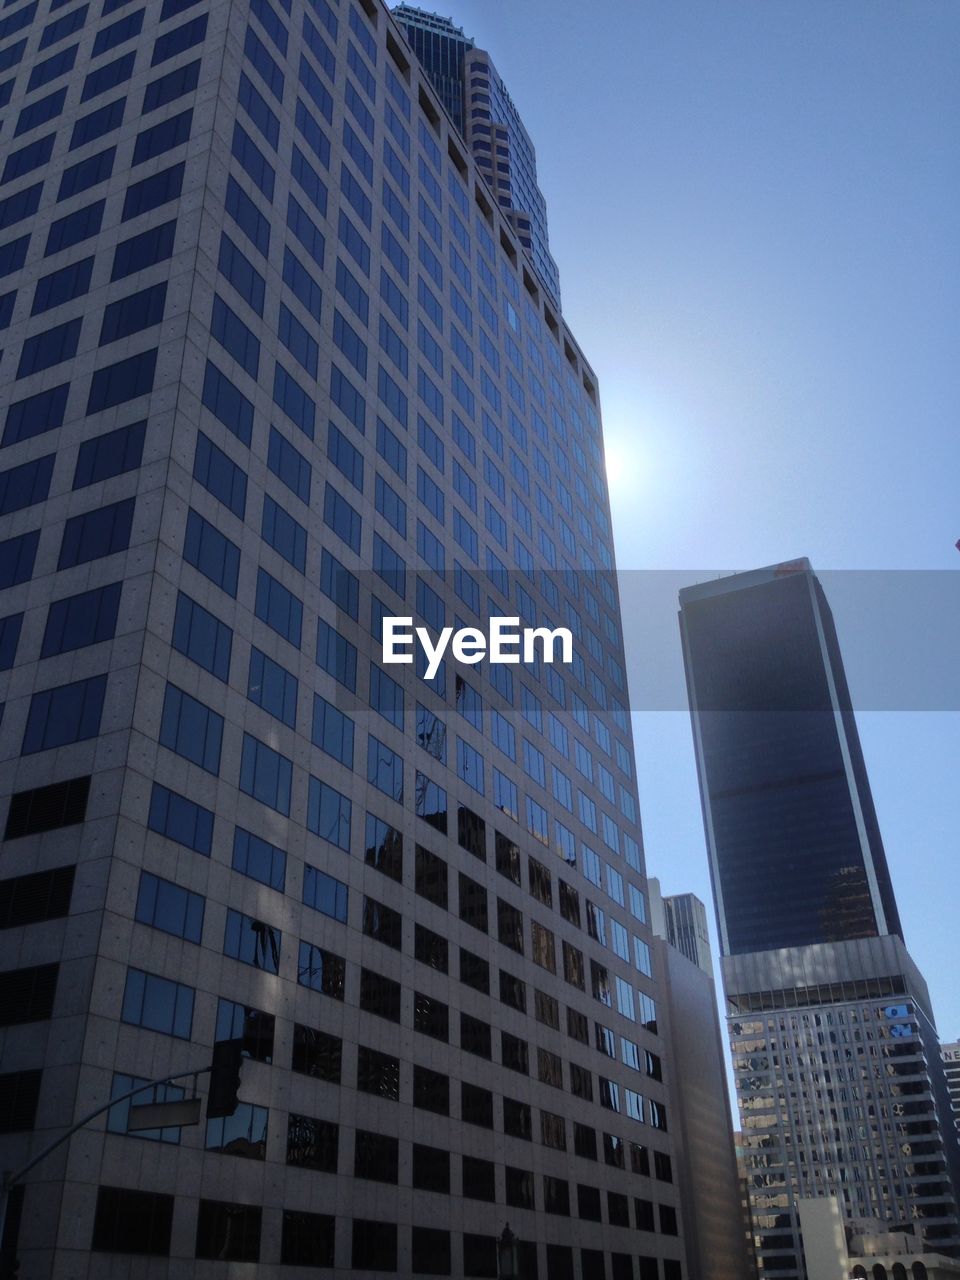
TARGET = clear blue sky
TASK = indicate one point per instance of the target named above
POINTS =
(755, 208)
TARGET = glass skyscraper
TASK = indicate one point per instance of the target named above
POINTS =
(481, 107)
(835, 1050)
(274, 368)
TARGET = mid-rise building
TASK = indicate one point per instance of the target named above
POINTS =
(836, 1059)
(707, 1173)
(482, 109)
(681, 919)
(276, 367)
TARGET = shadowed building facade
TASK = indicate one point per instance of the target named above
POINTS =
(275, 366)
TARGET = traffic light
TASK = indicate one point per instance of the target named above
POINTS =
(224, 1078)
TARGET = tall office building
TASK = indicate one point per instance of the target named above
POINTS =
(681, 920)
(837, 1064)
(276, 367)
(481, 107)
(951, 1067)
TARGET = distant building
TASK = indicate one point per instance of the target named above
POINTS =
(866, 1251)
(682, 920)
(835, 1052)
(951, 1067)
(697, 1087)
(481, 107)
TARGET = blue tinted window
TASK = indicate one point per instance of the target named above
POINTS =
(272, 687)
(332, 731)
(10, 57)
(343, 455)
(180, 819)
(155, 245)
(132, 314)
(152, 192)
(227, 403)
(347, 398)
(329, 814)
(171, 7)
(352, 292)
(313, 135)
(394, 296)
(60, 28)
(391, 506)
(104, 78)
(71, 281)
(69, 713)
(26, 484)
(301, 282)
(202, 637)
(96, 533)
(336, 655)
(254, 857)
(384, 769)
(162, 137)
(206, 548)
(391, 450)
(234, 336)
(354, 243)
(270, 23)
(7, 301)
(28, 158)
(305, 229)
(13, 255)
(52, 68)
(289, 465)
(51, 347)
(337, 582)
(81, 620)
(191, 729)
(23, 204)
(247, 216)
(220, 475)
(171, 86)
(256, 107)
(122, 381)
(325, 894)
(263, 63)
(318, 91)
(252, 942)
(247, 281)
(296, 338)
(110, 454)
(102, 121)
(72, 229)
(86, 173)
(16, 558)
(253, 160)
(9, 639)
(286, 535)
(350, 343)
(174, 42)
(389, 565)
(38, 113)
(341, 517)
(158, 1004)
(35, 414)
(169, 907)
(17, 21)
(265, 774)
(293, 400)
(118, 33)
(278, 608)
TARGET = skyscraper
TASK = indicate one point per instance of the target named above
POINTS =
(836, 1059)
(482, 109)
(276, 368)
(951, 1066)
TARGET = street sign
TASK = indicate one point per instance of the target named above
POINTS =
(164, 1115)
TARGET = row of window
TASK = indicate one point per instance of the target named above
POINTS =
(141, 1222)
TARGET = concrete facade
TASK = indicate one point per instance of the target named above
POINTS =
(275, 367)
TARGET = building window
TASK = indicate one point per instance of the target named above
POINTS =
(132, 1222)
(242, 1134)
(307, 1239)
(374, 1245)
(380, 995)
(382, 923)
(517, 1119)
(431, 1168)
(383, 848)
(169, 907)
(431, 1090)
(376, 1156)
(316, 1053)
(321, 970)
(253, 1027)
(556, 1196)
(430, 879)
(179, 819)
(158, 1004)
(252, 942)
(312, 1144)
(69, 713)
(228, 1232)
(378, 1073)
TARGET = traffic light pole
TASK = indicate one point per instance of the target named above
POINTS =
(11, 1179)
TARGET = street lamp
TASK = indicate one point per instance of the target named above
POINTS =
(508, 1252)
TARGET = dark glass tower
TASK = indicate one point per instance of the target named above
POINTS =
(795, 849)
(835, 1053)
